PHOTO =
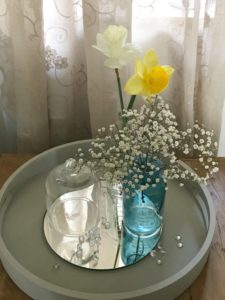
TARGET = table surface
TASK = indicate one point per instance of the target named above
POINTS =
(209, 285)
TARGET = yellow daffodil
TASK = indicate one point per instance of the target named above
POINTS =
(149, 78)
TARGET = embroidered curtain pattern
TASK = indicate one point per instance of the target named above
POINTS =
(55, 89)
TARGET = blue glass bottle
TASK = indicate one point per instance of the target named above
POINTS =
(143, 216)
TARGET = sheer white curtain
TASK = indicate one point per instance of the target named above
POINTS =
(70, 31)
(54, 87)
(189, 36)
(23, 83)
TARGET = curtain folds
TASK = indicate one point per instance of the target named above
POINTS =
(23, 102)
(211, 88)
(54, 87)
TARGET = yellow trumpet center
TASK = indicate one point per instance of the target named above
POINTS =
(156, 79)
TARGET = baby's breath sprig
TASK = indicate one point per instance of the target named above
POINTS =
(149, 135)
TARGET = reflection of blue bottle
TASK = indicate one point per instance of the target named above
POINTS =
(142, 219)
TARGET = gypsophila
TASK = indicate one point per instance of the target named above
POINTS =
(148, 136)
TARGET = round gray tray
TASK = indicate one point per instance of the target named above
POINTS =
(37, 270)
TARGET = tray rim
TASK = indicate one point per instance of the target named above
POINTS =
(7, 258)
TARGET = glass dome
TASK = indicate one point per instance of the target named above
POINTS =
(73, 213)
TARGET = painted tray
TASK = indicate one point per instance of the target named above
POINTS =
(40, 273)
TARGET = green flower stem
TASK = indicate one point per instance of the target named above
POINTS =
(131, 103)
(120, 89)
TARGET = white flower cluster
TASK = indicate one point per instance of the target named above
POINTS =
(148, 142)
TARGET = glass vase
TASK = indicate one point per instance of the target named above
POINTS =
(142, 215)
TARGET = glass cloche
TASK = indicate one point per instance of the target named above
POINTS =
(73, 216)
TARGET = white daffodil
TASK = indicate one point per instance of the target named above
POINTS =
(112, 43)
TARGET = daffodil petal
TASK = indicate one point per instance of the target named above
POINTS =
(116, 34)
(150, 59)
(169, 70)
(102, 45)
(112, 63)
(127, 55)
(146, 90)
(134, 85)
(139, 68)
(134, 49)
